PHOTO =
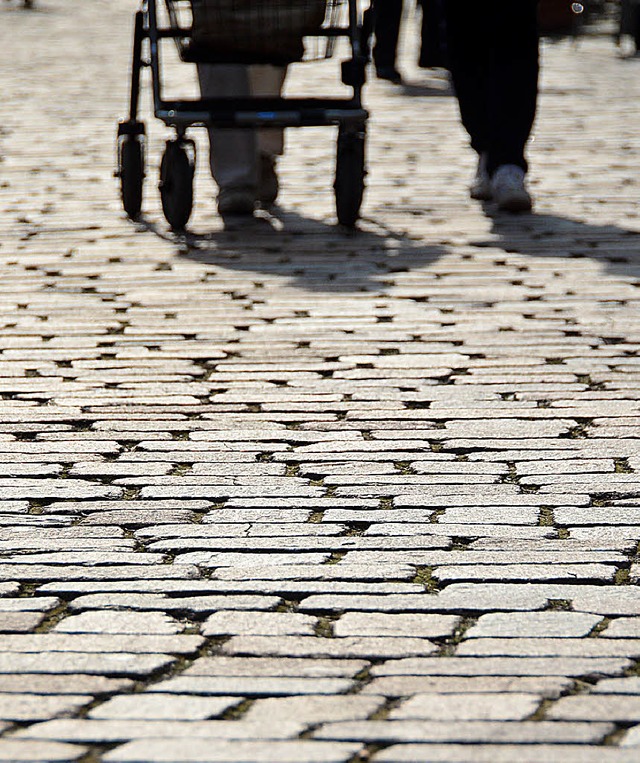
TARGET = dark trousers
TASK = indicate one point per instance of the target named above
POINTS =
(387, 33)
(433, 51)
(493, 57)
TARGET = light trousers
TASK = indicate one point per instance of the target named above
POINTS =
(235, 154)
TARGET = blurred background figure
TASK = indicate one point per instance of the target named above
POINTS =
(387, 28)
(630, 22)
(387, 33)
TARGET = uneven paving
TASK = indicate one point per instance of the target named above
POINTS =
(282, 493)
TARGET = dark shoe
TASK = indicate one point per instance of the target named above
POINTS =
(268, 186)
(390, 73)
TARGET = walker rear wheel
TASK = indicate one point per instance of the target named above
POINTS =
(176, 182)
(350, 174)
(131, 173)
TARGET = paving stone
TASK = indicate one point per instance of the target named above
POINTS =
(150, 602)
(503, 666)
(601, 707)
(90, 506)
(321, 572)
(167, 707)
(9, 589)
(501, 753)
(89, 558)
(296, 667)
(533, 625)
(119, 623)
(258, 624)
(36, 707)
(15, 751)
(41, 572)
(48, 489)
(526, 572)
(247, 686)
(632, 738)
(407, 685)
(463, 596)
(62, 684)
(467, 707)
(628, 685)
(540, 647)
(314, 709)
(372, 624)
(137, 518)
(14, 507)
(619, 600)
(471, 732)
(623, 627)
(283, 752)
(20, 622)
(303, 646)
(598, 515)
(103, 731)
(92, 663)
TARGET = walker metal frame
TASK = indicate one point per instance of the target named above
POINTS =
(178, 164)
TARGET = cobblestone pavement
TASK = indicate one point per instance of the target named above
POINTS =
(285, 494)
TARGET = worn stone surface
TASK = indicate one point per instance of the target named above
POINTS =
(201, 751)
(467, 707)
(162, 707)
(465, 731)
(534, 624)
(270, 491)
(13, 751)
(502, 753)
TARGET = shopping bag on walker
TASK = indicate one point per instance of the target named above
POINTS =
(256, 31)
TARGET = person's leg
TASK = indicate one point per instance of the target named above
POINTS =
(387, 34)
(512, 89)
(267, 81)
(432, 48)
(493, 53)
(468, 30)
(233, 153)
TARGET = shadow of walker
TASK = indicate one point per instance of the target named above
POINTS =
(311, 254)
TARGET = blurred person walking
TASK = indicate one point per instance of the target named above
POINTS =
(494, 61)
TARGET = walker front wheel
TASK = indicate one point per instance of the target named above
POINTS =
(350, 174)
(176, 182)
(131, 174)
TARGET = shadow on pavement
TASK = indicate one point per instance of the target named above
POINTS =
(315, 255)
(544, 235)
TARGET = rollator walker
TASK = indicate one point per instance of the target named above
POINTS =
(221, 43)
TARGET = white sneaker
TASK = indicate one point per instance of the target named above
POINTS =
(480, 189)
(509, 190)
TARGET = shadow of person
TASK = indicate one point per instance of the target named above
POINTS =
(312, 254)
(546, 235)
